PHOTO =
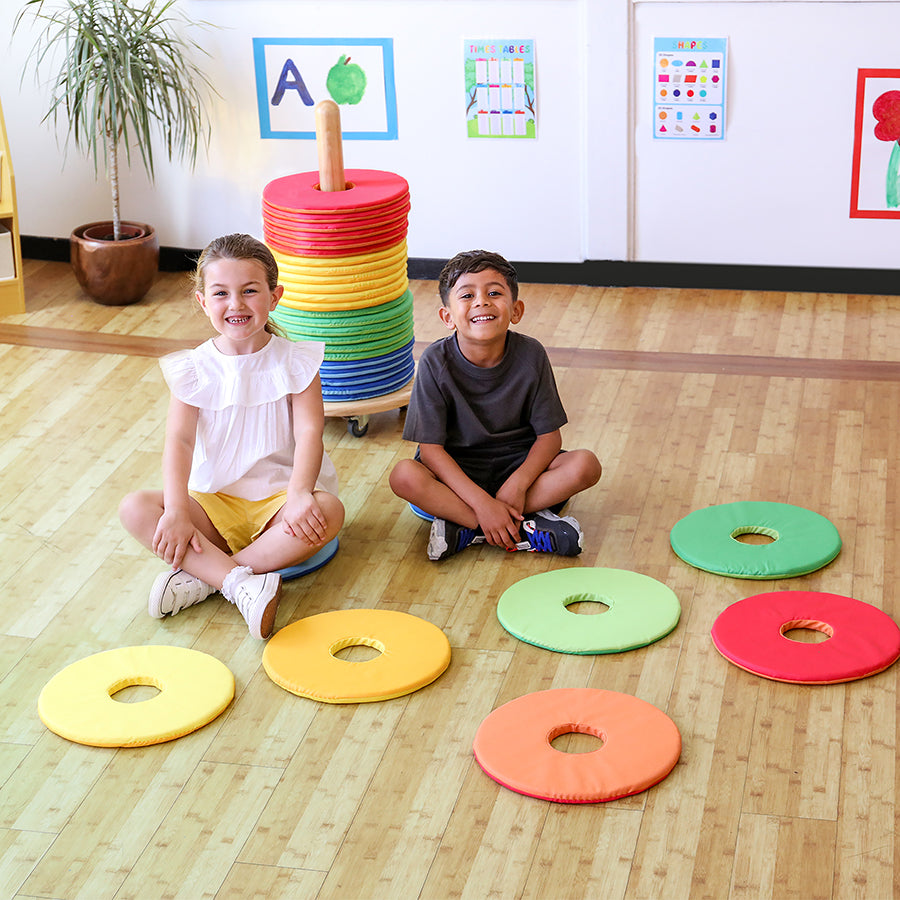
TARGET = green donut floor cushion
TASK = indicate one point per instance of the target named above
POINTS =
(802, 540)
(301, 657)
(861, 639)
(641, 610)
(322, 323)
(640, 745)
(78, 704)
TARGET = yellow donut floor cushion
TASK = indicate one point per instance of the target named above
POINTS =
(77, 703)
(301, 657)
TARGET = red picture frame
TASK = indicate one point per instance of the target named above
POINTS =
(868, 164)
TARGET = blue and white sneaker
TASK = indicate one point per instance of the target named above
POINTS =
(447, 538)
(546, 532)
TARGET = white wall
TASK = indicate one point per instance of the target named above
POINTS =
(594, 185)
(504, 195)
(776, 191)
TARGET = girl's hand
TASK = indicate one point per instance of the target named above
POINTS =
(302, 517)
(175, 535)
(499, 522)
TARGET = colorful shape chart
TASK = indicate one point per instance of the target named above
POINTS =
(689, 88)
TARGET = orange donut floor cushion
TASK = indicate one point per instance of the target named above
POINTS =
(301, 657)
(862, 640)
(641, 745)
(78, 704)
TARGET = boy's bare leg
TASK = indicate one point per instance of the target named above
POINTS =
(416, 483)
(569, 474)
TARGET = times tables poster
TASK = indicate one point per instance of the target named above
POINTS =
(500, 88)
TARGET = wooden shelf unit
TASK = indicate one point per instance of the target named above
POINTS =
(12, 289)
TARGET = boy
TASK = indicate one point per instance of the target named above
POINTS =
(486, 415)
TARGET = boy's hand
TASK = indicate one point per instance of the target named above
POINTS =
(513, 495)
(175, 534)
(302, 517)
(499, 522)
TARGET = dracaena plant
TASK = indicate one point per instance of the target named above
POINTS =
(120, 71)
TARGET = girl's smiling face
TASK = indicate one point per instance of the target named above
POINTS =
(237, 300)
(480, 308)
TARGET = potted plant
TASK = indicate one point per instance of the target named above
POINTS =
(122, 73)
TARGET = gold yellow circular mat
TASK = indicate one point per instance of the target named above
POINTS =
(77, 703)
(301, 657)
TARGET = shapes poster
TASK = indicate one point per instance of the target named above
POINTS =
(500, 93)
(294, 74)
(689, 88)
(875, 178)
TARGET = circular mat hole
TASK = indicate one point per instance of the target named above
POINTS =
(357, 649)
(349, 185)
(755, 534)
(135, 693)
(585, 604)
(805, 632)
(575, 739)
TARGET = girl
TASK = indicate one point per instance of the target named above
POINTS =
(247, 485)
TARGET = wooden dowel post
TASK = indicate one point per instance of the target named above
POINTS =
(328, 143)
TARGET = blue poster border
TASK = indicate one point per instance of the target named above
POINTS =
(262, 88)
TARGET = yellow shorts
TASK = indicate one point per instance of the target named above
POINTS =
(239, 521)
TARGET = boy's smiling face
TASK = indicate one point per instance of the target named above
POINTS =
(480, 308)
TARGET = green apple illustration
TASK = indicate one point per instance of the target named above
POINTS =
(346, 82)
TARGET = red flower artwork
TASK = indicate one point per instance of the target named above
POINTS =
(886, 110)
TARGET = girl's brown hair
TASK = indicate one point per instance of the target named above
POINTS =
(239, 246)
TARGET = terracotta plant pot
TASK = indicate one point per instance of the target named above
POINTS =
(115, 273)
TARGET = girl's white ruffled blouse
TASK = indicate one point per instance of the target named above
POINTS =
(245, 436)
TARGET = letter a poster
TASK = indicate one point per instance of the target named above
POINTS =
(689, 89)
(500, 95)
(294, 74)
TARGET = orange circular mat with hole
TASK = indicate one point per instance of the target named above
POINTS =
(641, 745)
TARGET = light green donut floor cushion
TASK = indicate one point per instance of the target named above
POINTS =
(641, 610)
(803, 540)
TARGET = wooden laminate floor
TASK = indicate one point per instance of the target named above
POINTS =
(689, 398)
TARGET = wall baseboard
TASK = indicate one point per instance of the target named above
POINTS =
(599, 273)
(617, 273)
(171, 259)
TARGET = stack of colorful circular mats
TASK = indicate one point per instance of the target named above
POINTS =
(342, 261)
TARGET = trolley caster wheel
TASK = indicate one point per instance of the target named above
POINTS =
(358, 426)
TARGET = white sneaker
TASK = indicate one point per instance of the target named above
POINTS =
(174, 591)
(257, 598)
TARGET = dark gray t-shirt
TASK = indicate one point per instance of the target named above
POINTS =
(486, 419)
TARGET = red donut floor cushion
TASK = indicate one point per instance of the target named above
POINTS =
(862, 640)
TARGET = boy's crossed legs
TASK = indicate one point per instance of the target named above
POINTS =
(456, 523)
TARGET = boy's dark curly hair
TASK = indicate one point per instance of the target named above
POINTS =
(476, 261)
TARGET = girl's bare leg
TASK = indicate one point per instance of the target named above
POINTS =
(275, 549)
